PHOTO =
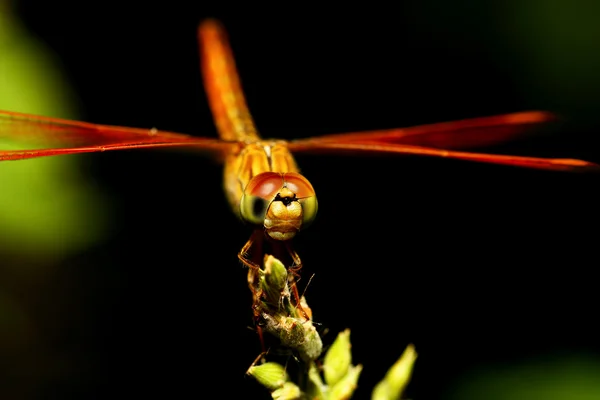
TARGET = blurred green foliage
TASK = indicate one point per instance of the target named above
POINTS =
(48, 209)
(48, 212)
(552, 377)
(559, 42)
(551, 47)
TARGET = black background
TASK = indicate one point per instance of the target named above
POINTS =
(474, 264)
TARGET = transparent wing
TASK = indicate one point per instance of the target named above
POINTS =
(456, 135)
(447, 140)
(29, 136)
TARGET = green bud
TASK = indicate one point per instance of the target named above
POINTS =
(270, 374)
(395, 381)
(295, 334)
(338, 359)
(312, 346)
(289, 391)
(274, 280)
(290, 331)
(345, 387)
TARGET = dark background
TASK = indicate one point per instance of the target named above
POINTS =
(477, 265)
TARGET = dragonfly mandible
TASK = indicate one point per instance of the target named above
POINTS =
(262, 181)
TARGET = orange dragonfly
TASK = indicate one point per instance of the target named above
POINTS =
(261, 179)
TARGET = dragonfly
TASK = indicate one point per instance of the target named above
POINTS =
(261, 179)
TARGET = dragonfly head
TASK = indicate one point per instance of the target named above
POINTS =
(283, 203)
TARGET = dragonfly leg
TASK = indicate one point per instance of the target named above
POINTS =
(260, 358)
(294, 274)
(254, 269)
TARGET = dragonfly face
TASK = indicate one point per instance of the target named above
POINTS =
(283, 203)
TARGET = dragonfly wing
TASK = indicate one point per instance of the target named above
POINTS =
(446, 140)
(30, 136)
(557, 164)
(456, 135)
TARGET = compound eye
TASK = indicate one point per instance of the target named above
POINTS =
(258, 195)
(309, 210)
(253, 209)
(305, 194)
(299, 185)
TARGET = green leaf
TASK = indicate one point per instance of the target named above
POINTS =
(270, 374)
(338, 358)
(397, 377)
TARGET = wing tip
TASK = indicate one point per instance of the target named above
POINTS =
(532, 117)
(575, 165)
